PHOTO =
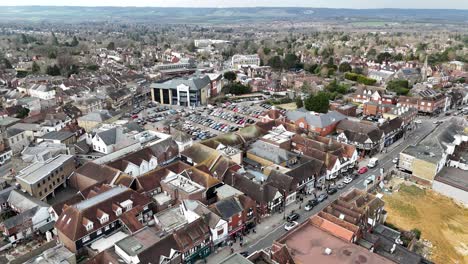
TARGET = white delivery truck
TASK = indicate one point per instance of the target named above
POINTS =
(373, 162)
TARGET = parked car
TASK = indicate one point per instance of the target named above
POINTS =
(363, 170)
(322, 197)
(244, 254)
(311, 204)
(395, 160)
(332, 190)
(418, 121)
(340, 185)
(292, 217)
(347, 180)
(290, 225)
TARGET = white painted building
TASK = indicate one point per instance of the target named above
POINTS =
(193, 210)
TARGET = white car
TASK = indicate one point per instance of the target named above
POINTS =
(290, 225)
(418, 122)
(395, 160)
(347, 180)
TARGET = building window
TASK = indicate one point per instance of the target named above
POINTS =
(99, 232)
(220, 232)
(85, 239)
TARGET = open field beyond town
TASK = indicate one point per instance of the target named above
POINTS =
(440, 220)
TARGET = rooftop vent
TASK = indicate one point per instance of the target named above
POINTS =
(328, 251)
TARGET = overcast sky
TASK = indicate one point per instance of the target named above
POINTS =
(433, 4)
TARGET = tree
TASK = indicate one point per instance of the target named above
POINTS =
(54, 40)
(52, 55)
(7, 64)
(336, 87)
(35, 68)
(191, 46)
(65, 61)
(384, 57)
(312, 68)
(53, 70)
(290, 61)
(236, 88)
(22, 113)
(401, 87)
(345, 67)
(275, 62)
(111, 46)
(417, 233)
(318, 103)
(74, 42)
(24, 39)
(230, 76)
(299, 102)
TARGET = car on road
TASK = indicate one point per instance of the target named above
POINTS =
(370, 180)
(292, 217)
(322, 197)
(363, 170)
(347, 180)
(437, 122)
(332, 190)
(373, 162)
(395, 160)
(290, 225)
(340, 185)
(418, 122)
(311, 204)
(244, 254)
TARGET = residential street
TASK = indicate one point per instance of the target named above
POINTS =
(273, 227)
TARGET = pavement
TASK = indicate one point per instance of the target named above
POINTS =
(272, 227)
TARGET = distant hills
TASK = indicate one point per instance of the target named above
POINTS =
(159, 15)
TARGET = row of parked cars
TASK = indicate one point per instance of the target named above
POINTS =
(245, 110)
(208, 122)
(196, 132)
(231, 117)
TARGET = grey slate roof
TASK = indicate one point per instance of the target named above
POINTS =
(58, 135)
(319, 120)
(432, 147)
(195, 83)
(228, 207)
(270, 152)
(108, 136)
(98, 116)
(11, 132)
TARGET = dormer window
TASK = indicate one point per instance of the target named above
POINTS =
(117, 209)
(127, 204)
(102, 216)
(88, 224)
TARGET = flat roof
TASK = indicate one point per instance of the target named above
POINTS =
(171, 219)
(455, 177)
(236, 258)
(140, 241)
(36, 171)
(308, 242)
(180, 182)
(108, 242)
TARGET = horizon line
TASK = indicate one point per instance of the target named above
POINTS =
(232, 7)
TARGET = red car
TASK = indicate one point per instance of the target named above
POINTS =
(362, 170)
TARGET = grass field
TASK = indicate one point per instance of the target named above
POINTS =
(440, 220)
(290, 106)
